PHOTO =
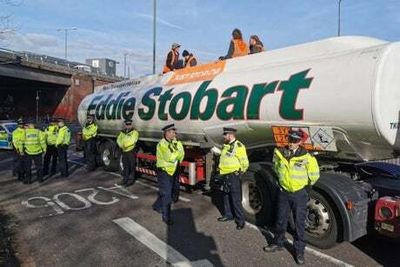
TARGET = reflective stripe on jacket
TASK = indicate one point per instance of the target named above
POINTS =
(240, 48)
(233, 158)
(34, 142)
(127, 141)
(18, 136)
(297, 172)
(63, 136)
(89, 131)
(169, 155)
(51, 134)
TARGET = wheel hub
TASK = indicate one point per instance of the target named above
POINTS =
(318, 219)
(251, 197)
(106, 157)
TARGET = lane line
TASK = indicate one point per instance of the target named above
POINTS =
(158, 246)
(184, 199)
(308, 249)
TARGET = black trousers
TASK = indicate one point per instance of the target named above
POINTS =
(62, 160)
(297, 204)
(129, 164)
(168, 185)
(233, 200)
(18, 165)
(50, 156)
(37, 159)
(90, 153)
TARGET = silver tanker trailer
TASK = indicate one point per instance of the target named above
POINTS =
(342, 92)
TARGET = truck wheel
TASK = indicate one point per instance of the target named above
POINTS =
(257, 198)
(107, 157)
(321, 223)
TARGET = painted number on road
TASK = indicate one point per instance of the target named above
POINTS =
(67, 201)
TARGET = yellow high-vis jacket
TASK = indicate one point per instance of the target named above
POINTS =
(63, 136)
(169, 155)
(297, 172)
(51, 134)
(127, 140)
(18, 136)
(233, 158)
(34, 142)
(89, 131)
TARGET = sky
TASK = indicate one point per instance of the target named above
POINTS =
(112, 28)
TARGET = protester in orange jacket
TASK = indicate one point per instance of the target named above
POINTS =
(237, 47)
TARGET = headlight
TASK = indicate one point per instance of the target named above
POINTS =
(385, 213)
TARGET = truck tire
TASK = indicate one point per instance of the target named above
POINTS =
(321, 222)
(257, 197)
(109, 162)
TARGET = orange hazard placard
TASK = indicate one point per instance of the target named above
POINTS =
(203, 72)
(280, 137)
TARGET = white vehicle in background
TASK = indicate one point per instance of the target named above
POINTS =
(342, 92)
(6, 129)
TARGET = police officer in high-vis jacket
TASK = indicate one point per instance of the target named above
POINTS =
(18, 157)
(170, 154)
(51, 151)
(89, 133)
(233, 163)
(62, 143)
(34, 145)
(126, 141)
(296, 169)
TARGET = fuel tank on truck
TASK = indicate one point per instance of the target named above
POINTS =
(342, 92)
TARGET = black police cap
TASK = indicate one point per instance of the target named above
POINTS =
(169, 127)
(229, 130)
(295, 135)
(128, 122)
(54, 120)
(20, 121)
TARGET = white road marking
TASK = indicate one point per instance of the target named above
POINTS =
(308, 249)
(184, 199)
(165, 251)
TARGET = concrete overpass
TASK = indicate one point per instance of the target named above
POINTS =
(38, 85)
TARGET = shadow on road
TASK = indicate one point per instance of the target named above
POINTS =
(385, 252)
(184, 237)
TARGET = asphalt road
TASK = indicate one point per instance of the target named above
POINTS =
(86, 220)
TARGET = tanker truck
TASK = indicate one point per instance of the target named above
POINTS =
(343, 93)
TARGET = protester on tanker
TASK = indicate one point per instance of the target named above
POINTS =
(255, 44)
(237, 47)
(172, 58)
(190, 60)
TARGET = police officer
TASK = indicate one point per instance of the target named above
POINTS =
(233, 163)
(170, 154)
(89, 133)
(126, 141)
(18, 155)
(62, 143)
(296, 169)
(34, 145)
(51, 151)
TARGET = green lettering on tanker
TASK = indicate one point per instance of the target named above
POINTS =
(233, 106)
(185, 98)
(149, 103)
(211, 96)
(291, 90)
(257, 93)
(129, 108)
(163, 101)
